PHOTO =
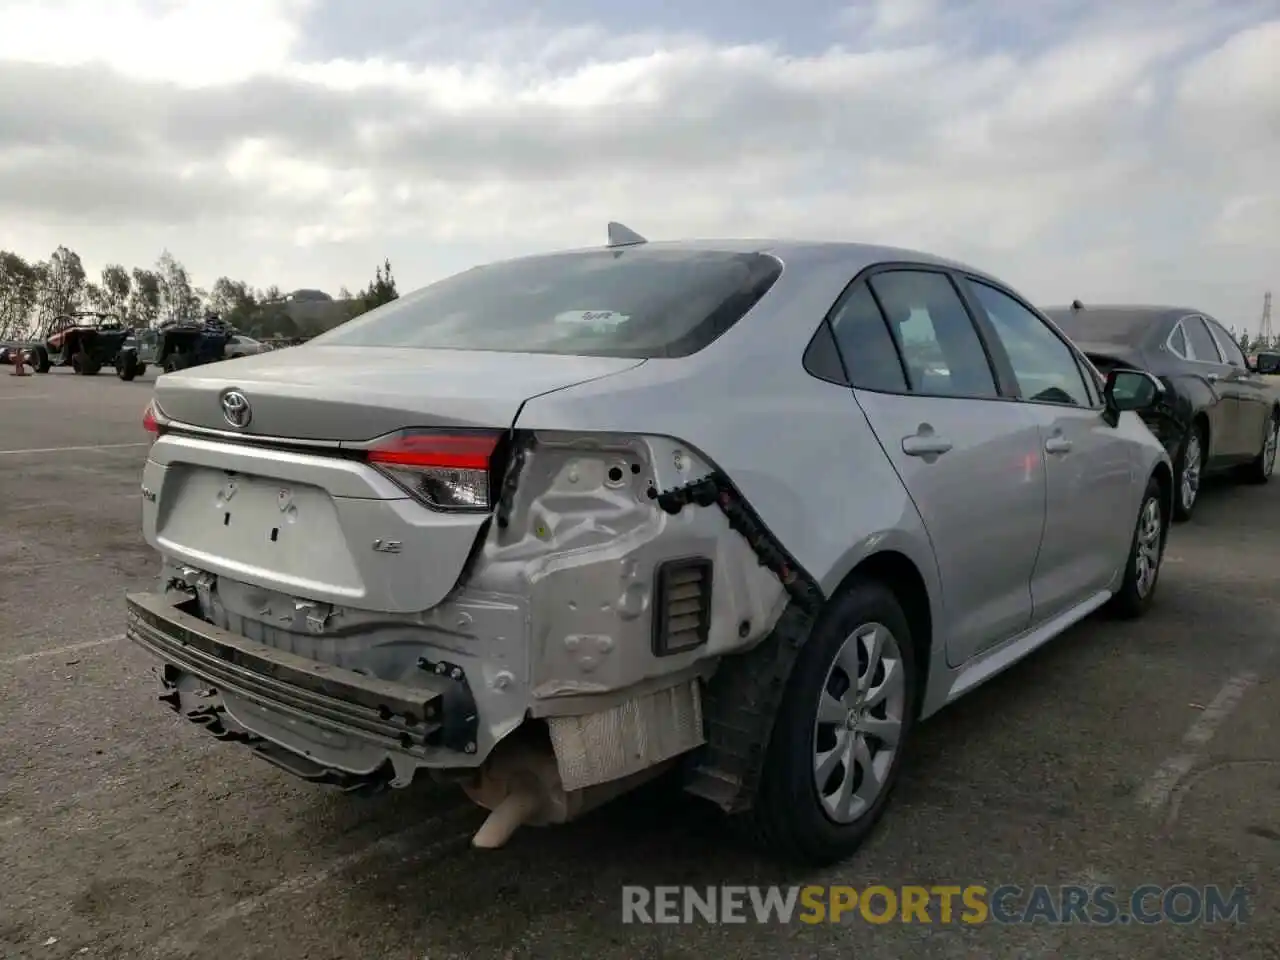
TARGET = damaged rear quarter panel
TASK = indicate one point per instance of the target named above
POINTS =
(798, 449)
(582, 540)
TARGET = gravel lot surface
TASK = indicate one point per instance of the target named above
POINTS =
(1124, 754)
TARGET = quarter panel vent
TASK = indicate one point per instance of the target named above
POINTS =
(682, 605)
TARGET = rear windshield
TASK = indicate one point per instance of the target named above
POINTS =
(1104, 326)
(629, 302)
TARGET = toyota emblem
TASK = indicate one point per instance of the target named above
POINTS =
(236, 409)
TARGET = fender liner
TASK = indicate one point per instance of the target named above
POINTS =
(742, 698)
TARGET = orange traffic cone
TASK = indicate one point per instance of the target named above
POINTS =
(18, 369)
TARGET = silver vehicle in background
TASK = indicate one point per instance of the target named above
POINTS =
(740, 511)
(238, 345)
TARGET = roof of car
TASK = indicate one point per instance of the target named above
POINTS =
(1153, 311)
(853, 254)
(1131, 324)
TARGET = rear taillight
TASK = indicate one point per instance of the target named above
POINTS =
(153, 421)
(444, 470)
(149, 421)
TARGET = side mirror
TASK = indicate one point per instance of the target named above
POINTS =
(1131, 390)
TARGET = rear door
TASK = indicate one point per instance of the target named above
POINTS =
(1250, 393)
(970, 458)
(1090, 487)
(1224, 414)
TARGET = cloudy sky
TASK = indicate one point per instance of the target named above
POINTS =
(1105, 150)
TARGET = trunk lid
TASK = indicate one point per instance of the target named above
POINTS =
(1111, 356)
(1161, 419)
(306, 525)
(309, 523)
(354, 394)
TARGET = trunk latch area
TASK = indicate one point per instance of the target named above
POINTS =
(318, 614)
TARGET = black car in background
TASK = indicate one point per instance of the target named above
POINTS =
(1267, 362)
(1220, 414)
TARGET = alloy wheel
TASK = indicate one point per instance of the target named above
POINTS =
(859, 723)
(1269, 450)
(1147, 557)
(1190, 487)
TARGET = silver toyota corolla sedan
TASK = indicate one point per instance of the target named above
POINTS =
(739, 512)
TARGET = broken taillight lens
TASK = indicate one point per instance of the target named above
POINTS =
(444, 470)
(153, 420)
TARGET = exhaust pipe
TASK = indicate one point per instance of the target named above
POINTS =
(520, 784)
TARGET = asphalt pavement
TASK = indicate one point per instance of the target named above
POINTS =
(1125, 754)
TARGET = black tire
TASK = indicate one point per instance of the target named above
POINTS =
(1264, 464)
(788, 820)
(1182, 509)
(92, 368)
(127, 367)
(142, 368)
(40, 360)
(1136, 594)
(78, 363)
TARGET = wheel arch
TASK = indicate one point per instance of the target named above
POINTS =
(900, 574)
(1192, 399)
(1200, 418)
(1163, 475)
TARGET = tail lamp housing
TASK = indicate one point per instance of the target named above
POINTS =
(444, 470)
(153, 420)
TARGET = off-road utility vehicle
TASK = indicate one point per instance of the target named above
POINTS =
(175, 346)
(85, 341)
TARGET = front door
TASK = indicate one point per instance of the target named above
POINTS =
(1251, 394)
(969, 457)
(1090, 507)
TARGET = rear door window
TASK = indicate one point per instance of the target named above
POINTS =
(1202, 345)
(1227, 345)
(939, 343)
(865, 344)
(632, 302)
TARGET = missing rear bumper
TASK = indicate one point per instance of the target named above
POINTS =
(329, 721)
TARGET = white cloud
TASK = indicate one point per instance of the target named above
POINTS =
(1110, 152)
(892, 16)
(189, 42)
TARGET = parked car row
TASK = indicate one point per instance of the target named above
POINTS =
(740, 512)
(177, 346)
(87, 341)
(84, 340)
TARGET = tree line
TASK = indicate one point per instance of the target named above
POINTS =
(1253, 342)
(33, 292)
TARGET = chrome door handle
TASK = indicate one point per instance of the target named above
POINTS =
(925, 446)
(1212, 377)
(1057, 445)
